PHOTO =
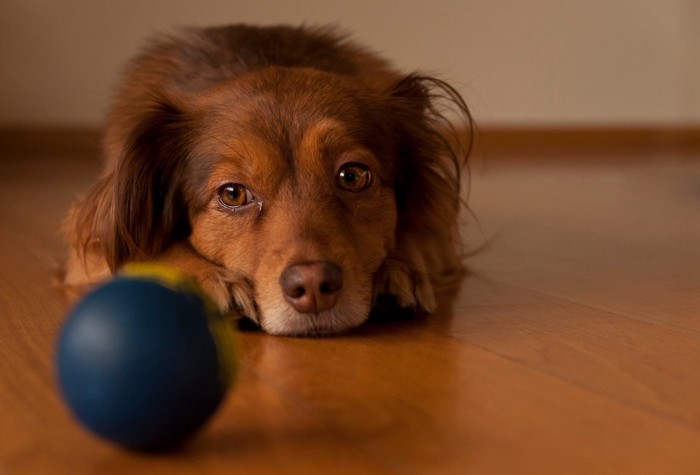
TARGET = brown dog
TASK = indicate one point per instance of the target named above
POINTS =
(295, 175)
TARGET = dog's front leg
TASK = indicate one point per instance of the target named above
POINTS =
(232, 291)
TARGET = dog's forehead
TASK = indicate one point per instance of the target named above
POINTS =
(281, 104)
(288, 126)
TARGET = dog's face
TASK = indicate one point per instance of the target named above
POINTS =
(293, 174)
(291, 187)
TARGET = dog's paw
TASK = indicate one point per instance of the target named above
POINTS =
(243, 298)
(231, 291)
(410, 287)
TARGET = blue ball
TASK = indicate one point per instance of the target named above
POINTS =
(145, 359)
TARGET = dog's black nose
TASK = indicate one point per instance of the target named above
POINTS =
(312, 287)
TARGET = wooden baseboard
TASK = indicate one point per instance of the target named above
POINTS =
(502, 142)
(60, 141)
(489, 142)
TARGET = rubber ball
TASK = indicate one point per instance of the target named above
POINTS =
(145, 359)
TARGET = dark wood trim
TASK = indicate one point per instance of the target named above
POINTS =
(490, 141)
(60, 141)
(504, 142)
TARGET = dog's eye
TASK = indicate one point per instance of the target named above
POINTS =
(354, 177)
(233, 195)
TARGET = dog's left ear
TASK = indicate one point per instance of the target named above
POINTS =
(432, 152)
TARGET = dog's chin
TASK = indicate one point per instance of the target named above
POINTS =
(282, 320)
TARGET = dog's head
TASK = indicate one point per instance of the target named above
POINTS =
(302, 180)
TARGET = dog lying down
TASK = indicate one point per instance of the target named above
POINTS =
(294, 174)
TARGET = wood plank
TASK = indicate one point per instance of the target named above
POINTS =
(632, 362)
(623, 239)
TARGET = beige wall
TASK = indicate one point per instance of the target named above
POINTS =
(518, 62)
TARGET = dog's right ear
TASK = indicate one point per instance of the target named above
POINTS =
(137, 209)
(150, 212)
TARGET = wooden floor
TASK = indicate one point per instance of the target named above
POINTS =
(573, 347)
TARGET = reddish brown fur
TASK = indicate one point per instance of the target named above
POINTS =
(280, 111)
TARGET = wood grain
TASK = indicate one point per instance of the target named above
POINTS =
(572, 347)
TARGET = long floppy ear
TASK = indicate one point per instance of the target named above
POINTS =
(433, 154)
(136, 209)
(148, 209)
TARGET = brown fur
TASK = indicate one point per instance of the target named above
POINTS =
(280, 111)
